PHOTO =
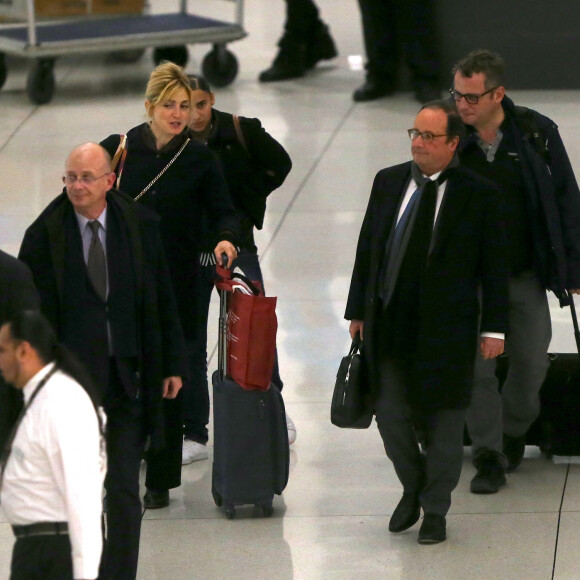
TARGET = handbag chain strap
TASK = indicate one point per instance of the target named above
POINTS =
(163, 170)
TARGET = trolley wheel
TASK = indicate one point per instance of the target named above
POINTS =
(176, 54)
(127, 56)
(267, 510)
(220, 66)
(230, 512)
(40, 82)
(217, 498)
(3, 70)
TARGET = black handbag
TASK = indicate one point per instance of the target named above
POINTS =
(351, 406)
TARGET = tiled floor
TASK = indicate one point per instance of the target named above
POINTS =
(331, 523)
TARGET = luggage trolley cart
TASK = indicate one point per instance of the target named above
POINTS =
(168, 34)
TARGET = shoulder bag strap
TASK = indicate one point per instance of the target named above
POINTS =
(239, 132)
(119, 159)
(163, 170)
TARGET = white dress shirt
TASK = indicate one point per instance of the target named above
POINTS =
(441, 188)
(56, 470)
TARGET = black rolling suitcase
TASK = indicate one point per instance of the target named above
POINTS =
(557, 429)
(251, 452)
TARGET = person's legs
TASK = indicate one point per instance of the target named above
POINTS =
(444, 459)
(306, 41)
(416, 31)
(380, 39)
(164, 466)
(42, 558)
(126, 436)
(529, 339)
(195, 387)
(395, 423)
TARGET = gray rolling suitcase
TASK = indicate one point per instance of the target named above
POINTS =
(251, 453)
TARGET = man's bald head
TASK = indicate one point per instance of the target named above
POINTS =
(88, 177)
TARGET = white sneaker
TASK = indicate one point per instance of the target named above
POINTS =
(291, 430)
(192, 451)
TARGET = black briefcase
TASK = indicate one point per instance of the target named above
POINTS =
(351, 405)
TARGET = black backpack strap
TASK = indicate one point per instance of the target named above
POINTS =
(526, 121)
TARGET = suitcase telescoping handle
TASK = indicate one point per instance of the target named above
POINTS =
(574, 320)
(223, 328)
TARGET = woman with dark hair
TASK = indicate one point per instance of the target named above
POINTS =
(163, 168)
(254, 165)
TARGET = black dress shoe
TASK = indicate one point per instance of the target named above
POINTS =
(490, 474)
(290, 62)
(155, 499)
(432, 530)
(320, 47)
(406, 513)
(514, 449)
(371, 90)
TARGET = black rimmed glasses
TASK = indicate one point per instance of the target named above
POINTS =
(427, 136)
(86, 179)
(470, 97)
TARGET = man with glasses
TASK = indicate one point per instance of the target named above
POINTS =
(521, 151)
(98, 264)
(431, 234)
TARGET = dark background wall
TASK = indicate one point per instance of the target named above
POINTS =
(539, 39)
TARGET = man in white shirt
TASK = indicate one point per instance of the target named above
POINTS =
(54, 462)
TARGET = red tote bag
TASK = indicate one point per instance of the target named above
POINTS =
(251, 331)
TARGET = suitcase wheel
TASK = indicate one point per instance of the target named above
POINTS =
(217, 498)
(267, 510)
(230, 512)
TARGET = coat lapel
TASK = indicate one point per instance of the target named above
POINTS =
(392, 192)
(454, 201)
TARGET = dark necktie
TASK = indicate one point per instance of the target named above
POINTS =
(418, 215)
(96, 265)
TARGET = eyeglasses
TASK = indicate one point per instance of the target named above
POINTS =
(470, 98)
(427, 136)
(86, 179)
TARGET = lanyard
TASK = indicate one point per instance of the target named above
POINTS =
(8, 447)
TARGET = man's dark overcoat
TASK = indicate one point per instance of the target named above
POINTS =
(17, 293)
(158, 347)
(468, 248)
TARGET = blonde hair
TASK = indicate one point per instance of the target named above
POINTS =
(166, 80)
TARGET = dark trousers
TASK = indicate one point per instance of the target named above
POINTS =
(436, 474)
(395, 27)
(126, 435)
(196, 389)
(42, 558)
(301, 18)
(164, 466)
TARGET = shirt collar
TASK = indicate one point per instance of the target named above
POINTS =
(31, 385)
(434, 176)
(83, 221)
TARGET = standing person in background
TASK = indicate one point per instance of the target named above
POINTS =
(254, 165)
(99, 267)
(53, 474)
(522, 152)
(179, 179)
(17, 293)
(306, 41)
(399, 27)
